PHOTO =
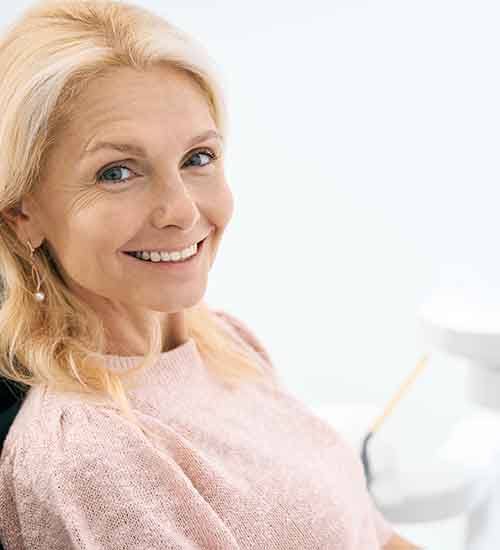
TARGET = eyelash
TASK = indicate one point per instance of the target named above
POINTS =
(100, 173)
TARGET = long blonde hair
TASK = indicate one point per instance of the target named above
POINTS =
(46, 59)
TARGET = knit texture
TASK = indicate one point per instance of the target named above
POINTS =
(250, 468)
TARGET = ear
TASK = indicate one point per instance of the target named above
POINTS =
(23, 222)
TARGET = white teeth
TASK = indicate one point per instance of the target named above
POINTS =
(175, 256)
(164, 256)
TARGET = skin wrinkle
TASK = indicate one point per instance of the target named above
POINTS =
(168, 198)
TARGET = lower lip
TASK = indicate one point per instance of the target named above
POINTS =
(171, 266)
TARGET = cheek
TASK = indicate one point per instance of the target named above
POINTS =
(87, 220)
(223, 207)
(89, 260)
(220, 215)
(86, 242)
(105, 230)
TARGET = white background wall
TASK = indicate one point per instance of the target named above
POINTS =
(363, 158)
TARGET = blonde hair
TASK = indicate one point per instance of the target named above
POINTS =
(46, 59)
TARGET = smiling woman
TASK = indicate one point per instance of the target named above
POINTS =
(147, 419)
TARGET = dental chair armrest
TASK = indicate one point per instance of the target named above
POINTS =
(452, 481)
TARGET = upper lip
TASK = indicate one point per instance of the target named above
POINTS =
(170, 247)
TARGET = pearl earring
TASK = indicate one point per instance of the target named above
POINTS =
(39, 295)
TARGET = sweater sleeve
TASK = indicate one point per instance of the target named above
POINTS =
(100, 484)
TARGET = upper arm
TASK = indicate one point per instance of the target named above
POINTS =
(102, 484)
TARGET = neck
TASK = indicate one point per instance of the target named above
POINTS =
(176, 331)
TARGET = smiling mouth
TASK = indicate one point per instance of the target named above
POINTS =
(198, 249)
(132, 252)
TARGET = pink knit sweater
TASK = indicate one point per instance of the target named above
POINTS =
(251, 468)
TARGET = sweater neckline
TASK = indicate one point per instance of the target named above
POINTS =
(168, 364)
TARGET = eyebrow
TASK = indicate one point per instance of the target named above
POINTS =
(140, 151)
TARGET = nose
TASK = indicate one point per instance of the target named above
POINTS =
(175, 206)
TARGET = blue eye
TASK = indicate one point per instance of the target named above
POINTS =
(115, 169)
(207, 152)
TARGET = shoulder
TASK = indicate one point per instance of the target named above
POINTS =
(52, 428)
(60, 445)
(243, 332)
(246, 336)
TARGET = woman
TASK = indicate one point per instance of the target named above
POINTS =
(150, 421)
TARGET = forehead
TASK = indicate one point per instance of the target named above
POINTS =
(161, 100)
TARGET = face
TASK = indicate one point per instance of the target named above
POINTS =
(164, 193)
